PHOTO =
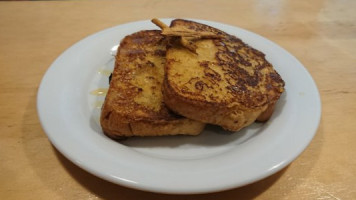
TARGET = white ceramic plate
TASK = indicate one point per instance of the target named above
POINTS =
(213, 161)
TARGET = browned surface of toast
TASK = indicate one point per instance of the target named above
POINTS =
(134, 103)
(226, 82)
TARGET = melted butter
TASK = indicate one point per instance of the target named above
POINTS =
(98, 104)
(148, 96)
(99, 92)
(105, 72)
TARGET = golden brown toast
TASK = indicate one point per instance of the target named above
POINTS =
(224, 82)
(134, 103)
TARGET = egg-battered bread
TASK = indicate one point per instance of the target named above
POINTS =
(134, 103)
(223, 81)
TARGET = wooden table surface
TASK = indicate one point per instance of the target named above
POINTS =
(321, 34)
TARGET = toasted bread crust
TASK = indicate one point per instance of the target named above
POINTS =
(134, 103)
(231, 119)
(226, 82)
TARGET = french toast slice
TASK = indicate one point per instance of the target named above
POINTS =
(222, 81)
(134, 103)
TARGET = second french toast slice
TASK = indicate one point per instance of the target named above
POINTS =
(134, 103)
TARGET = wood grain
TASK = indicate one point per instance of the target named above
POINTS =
(321, 34)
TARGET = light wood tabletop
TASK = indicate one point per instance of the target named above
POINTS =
(321, 34)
